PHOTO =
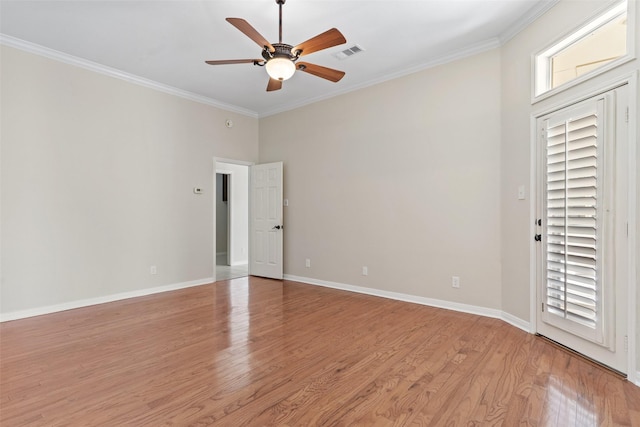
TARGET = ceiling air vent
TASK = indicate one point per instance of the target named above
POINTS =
(349, 52)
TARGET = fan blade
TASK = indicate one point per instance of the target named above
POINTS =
(234, 61)
(250, 32)
(324, 72)
(329, 38)
(274, 85)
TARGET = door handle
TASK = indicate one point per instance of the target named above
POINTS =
(277, 227)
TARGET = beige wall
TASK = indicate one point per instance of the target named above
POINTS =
(97, 183)
(402, 177)
(516, 156)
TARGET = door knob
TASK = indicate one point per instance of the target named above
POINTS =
(277, 227)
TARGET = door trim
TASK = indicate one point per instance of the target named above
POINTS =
(630, 79)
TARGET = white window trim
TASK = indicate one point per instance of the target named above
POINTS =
(539, 59)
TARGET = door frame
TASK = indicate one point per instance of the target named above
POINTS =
(630, 79)
(217, 160)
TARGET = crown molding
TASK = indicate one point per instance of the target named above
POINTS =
(527, 19)
(454, 56)
(118, 74)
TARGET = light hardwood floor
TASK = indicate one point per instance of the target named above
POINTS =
(261, 352)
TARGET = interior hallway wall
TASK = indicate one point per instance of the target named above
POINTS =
(238, 221)
(222, 220)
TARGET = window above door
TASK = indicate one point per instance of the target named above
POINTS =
(604, 42)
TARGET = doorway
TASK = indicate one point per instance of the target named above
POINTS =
(582, 219)
(231, 221)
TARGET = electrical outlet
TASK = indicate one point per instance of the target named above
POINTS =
(307, 263)
(365, 270)
(455, 282)
(153, 270)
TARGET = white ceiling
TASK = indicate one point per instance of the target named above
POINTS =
(167, 42)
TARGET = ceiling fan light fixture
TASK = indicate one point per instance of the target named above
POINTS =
(280, 68)
(280, 58)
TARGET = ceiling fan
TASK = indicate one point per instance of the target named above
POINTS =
(280, 59)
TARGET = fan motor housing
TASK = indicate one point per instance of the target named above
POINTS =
(281, 50)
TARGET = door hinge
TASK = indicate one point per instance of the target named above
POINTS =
(626, 343)
(542, 307)
(626, 116)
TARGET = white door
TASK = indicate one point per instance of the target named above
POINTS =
(266, 225)
(581, 261)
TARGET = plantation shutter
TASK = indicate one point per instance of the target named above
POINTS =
(574, 220)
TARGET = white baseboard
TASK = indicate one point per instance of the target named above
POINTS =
(432, 302)
(465, 308)
(517, 322)
(21, 314)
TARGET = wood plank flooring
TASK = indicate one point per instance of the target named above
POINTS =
(260, 352)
